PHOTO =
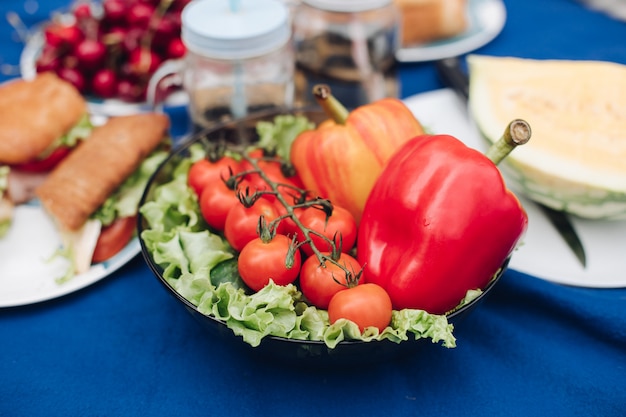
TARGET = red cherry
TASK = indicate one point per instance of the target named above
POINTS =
(48, 60)
(59, 35)
(176, 49)
(74, 77)
(165, 30)
(143, 61)
(114, 10)
(104, 83)
(132, 39)
(139, 15)
(128, 90)
(90, 54)
(82, 11)
(178, 5)
(114, 36)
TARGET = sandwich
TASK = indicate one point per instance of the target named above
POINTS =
(42, 120)
(100, 184)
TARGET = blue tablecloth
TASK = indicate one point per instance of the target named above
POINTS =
(124, 347)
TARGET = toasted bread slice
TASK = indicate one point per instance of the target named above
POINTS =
(86, 178)
(33, 114)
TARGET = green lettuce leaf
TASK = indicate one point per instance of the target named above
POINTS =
(80, 131)
(124, 201)
(4, 178)
(6, 219)
(277, 136)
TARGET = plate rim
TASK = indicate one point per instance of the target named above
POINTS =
(96, 272)
(461, 43)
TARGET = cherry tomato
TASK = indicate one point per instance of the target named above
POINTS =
(203, 172)
(47, 163)
(242, 222)
(341, 223)
(113, 238)
(320, 282)
(367, 305)
(216, 201)
(260, 261)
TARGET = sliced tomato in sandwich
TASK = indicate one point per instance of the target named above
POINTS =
(113, 238)
(47, 163)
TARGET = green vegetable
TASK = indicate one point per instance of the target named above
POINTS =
(189, 254)
(124, 201)
(5, 222)
(277, 136)
(226, 271)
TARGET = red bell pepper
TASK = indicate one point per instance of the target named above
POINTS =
(438, 222)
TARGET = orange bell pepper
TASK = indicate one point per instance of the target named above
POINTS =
(342, 158)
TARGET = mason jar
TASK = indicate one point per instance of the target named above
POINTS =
(240, 59)
(349, 45)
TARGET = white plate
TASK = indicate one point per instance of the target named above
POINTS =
(27, 274)
(543, 253)
(486, 19)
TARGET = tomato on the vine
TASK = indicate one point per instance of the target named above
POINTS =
(113, 238)
(204, 172)
(340, 226)
(319, 282)
(367, 305)
(242, 222)
(275, 259)
(272, 169)
(215, 203)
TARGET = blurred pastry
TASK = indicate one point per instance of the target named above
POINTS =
(425, 21)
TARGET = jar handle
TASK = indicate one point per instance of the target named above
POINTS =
(167, 77)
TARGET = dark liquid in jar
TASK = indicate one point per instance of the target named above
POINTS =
(358, 73)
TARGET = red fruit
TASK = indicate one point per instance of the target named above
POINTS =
(114, 10)
(176, 49)
(90, 54)
(139, 15)
(165, 30)
(59, 35)
(143, 61)
(104, 83)
(48, 60)
(132, 39)
(74, 77)
(178, 5)
(82, 11)
(129, 91)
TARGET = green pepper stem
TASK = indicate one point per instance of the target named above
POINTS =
(331, 106)
(516, 133)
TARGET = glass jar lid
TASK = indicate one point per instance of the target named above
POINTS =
(348, 5)
(235, 29)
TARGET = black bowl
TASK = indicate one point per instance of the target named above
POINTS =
(286, 351)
